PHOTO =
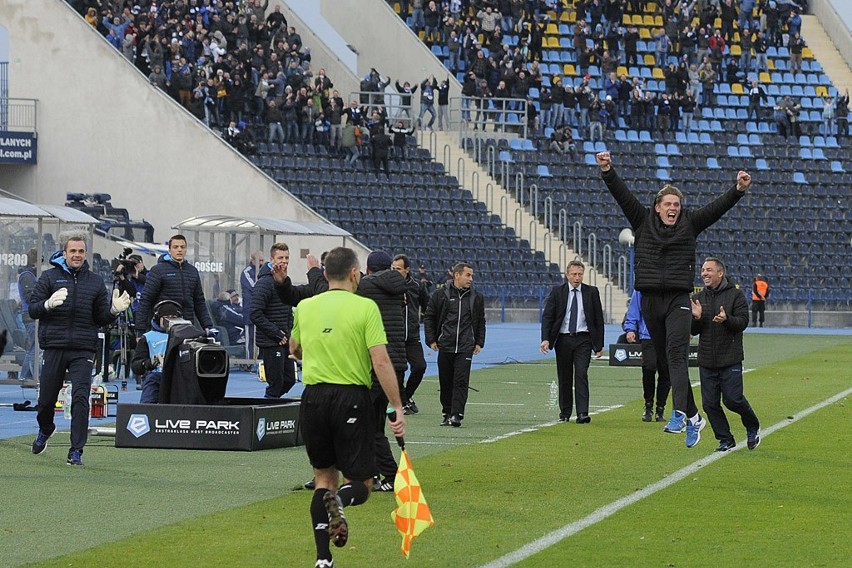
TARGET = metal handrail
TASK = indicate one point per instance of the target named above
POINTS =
(563, 255)
(519, 188)
(534, 200)
(517, 223)
(622, 272)
(474, 183)
(504, 208)
(562, 221)
(533, 226)
(609, 302)
(548, 212)
(578, 238)
(547, 245)
(606, 259)
(448, 155)
(593, 258)
(491, 159)
(489, 194)
(19, 115)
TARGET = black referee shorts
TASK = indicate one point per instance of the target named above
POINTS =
(338, 427)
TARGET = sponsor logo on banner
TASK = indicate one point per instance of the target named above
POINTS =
(620, 354)
(200, 426)
(261, 428)
(18, 147)
(138, 425)
(275, 427)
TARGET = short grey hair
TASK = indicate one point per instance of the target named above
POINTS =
(73, 235)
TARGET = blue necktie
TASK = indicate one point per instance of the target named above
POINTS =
(572, 317)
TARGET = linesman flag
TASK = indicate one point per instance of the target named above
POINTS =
(412, 515)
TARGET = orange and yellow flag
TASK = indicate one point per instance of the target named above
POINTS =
(412, 515)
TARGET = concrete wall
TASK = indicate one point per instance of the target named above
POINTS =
(382, 40)
(836, 17)
(103, 128)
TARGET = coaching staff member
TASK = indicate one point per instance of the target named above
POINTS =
(664, 271)
(273, 320)
(339, 336)
(173, 278)
(455, 328)
(719, 316)
(572, 323)
(71, 303)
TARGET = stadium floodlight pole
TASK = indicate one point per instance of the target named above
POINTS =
(626, 237)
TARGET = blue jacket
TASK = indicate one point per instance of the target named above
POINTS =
(74, 324)
(248, 279)
(633, 320)
(170, 280)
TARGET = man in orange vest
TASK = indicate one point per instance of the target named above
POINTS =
(759, 294)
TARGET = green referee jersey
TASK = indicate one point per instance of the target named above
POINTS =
(336, 329)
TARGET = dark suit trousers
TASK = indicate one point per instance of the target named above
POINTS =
(79, 366)
(668, 316)
(417, 366)
(573, 355)
(454, 378)
(725, 385)
(280, 370)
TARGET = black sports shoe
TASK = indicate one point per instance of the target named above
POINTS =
(413, 406)
(726, 445)
(40, 443)
(646, 416)
(75, 457)
(384, 485)
(446, 420)
(338, 530)
(312, 484)
(659, 415)
(455, 421)
(753, 439)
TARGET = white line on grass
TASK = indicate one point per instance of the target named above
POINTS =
(610, 509)
(534, 428)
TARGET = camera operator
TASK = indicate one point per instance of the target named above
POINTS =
(123, 338)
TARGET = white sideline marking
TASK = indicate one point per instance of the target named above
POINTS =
(610, 509)
(534, 428)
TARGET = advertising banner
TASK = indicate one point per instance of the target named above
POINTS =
(239, 424)
(630, 355)
(18, 147)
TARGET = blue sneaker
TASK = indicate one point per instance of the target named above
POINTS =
(693, 432)
(75, 457)
(753, 439)
(40, 443)
(677, 423)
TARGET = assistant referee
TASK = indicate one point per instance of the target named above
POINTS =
(339, 336)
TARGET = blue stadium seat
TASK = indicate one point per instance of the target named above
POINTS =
(713, 164)
(742, 139)
(621, 136)
(505, 156)
(542, 171)
(733, 152)
(672, 149)
(663, 175)
(589, 160)
(761, 165)
(836, 166)
(632, 136)
(805, 141)
(528, 145)
(831, 142)
(799, 177)
(818, 154)
(704, 138)
(660, 149)
(645, 136)
(754, 140)
(680, 137)
(745, 152)
(600, 146)
(693, 138)
(663, 162)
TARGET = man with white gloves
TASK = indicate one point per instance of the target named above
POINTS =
(71, 303)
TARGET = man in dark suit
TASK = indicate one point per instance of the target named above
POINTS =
(573, 324)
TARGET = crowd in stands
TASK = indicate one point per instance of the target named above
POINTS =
(695, 49)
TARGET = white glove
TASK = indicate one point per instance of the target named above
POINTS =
(56, 299)
(119, 302)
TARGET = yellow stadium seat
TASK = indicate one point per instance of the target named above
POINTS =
(637, 19)
(658, 21)
(644, 34)
(552, 15)
(821, 91)
(771, 64)
(647, 20)
(737, 89)
(625, 19)
(736, 50)
(650, 7)
(553, 42)
(551, 29)
(568, 69)
(717, 24)
(736, 38)
(657, 73)
(621, 70)
(396, 7)
(764, 77)
(422, 35)
(807, 53)
(649, 60)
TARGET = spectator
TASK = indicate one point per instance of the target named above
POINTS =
(381, 143)
(842, 114)
(444, 104)
(562, 142)
(796, 45)
(351, 142)
(756, 96)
